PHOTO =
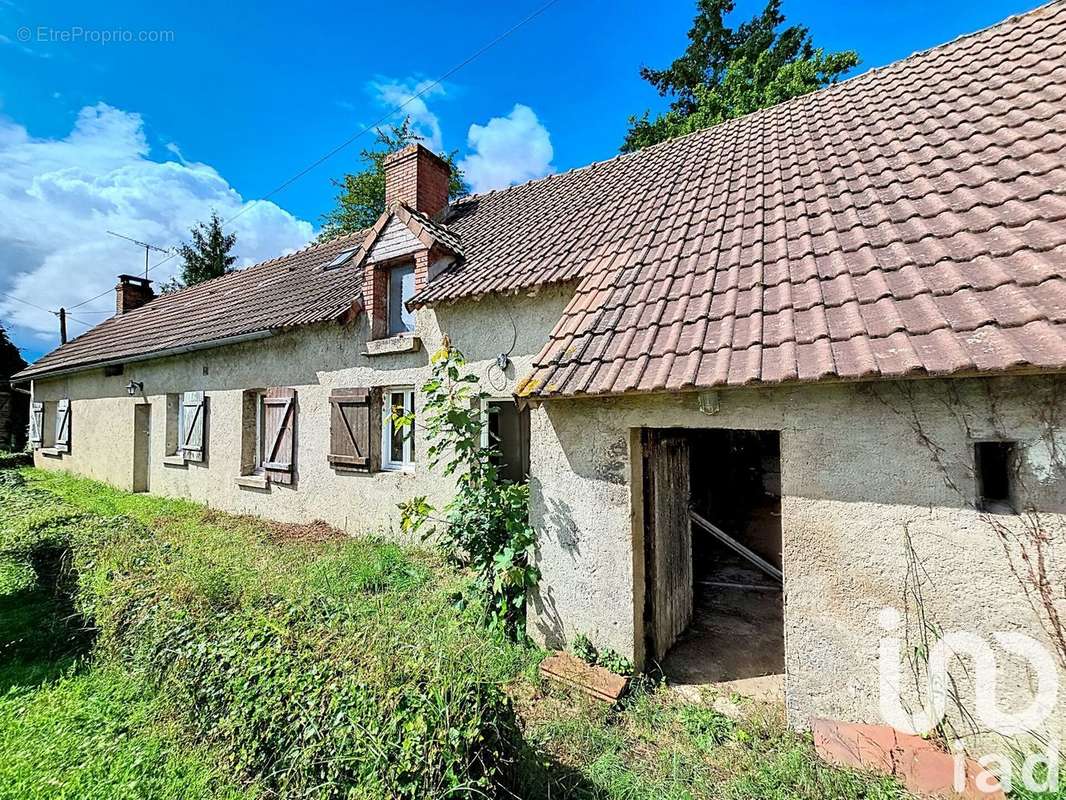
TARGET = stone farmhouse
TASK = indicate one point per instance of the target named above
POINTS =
(766, 380)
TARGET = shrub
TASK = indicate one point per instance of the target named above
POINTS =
(485, 527)
(9, 460)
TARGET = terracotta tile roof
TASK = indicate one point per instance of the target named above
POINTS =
(908, 221)
(282, 292)
(911, 220)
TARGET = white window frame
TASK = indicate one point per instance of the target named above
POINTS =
(393, 272)
(48, 424)
(260, 432)
(485, 403)
(177, 419)
(387, 462)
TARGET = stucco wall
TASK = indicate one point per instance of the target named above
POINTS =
(313, 361)
(859, 482)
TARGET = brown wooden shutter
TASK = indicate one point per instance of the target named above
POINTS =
(63, 426)
(355, 429)
(192, 437)
(279, 408)
(37, 423)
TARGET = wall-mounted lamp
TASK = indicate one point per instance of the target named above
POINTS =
(134, 387)
(710, 403)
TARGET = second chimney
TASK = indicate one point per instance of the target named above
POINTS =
(132, 292)
(418, 177)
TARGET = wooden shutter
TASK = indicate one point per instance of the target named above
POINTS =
(37, 423)
(279, 424)
(355, 429)
(192, 437)
(63, 426)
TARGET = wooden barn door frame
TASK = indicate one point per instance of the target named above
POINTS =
(667, 573)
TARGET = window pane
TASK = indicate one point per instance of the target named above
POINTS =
(180, 424)
(260, 431)
(411, 428)
(396, 443)
(401, 289)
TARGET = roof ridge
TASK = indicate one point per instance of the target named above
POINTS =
(872, 72)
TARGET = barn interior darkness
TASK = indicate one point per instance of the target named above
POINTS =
(737, 628)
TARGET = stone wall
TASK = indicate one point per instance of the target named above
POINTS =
(878, 495)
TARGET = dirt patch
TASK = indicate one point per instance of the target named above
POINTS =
(315, 532)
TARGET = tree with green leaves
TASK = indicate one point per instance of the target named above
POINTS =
(206, 256)
(361, 196)
(726, 73)
(11, 360)
(13, 427)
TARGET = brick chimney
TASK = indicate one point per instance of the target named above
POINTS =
(132, 292)
(418, 177)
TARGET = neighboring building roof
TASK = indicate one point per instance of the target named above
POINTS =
(286, 291)
(908, 221)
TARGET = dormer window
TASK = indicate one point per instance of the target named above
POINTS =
(401, 289)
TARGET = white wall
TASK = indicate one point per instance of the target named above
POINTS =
(313, 361)
(857, 483)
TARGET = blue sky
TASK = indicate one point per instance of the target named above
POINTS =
(147, 137)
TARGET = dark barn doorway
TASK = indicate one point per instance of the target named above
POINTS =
(508, 432)
(714, 611)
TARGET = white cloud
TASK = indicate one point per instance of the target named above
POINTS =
(172, 147)
(507, 150)
(401, 95)
(58, 197)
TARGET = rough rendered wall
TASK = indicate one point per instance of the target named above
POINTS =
(313, 361)
(874, 515)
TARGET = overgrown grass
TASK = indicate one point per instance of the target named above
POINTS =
(658, 746)
(234, 657)
(94, 733)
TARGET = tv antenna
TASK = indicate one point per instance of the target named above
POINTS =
(147, 247)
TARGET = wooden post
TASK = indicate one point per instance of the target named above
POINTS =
(62, 326)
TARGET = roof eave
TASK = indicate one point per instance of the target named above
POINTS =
(27, 375)
(538, 395)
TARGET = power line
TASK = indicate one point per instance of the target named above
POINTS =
(347, 142)
(27, 303)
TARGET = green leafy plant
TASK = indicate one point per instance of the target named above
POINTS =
(609, 659)
(614, 661)
(485, 527)
(583, 649)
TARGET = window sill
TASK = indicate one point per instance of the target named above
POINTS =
(398, 468)
(403, 343)
(51, 452)
(174, 461)
(253, 481)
